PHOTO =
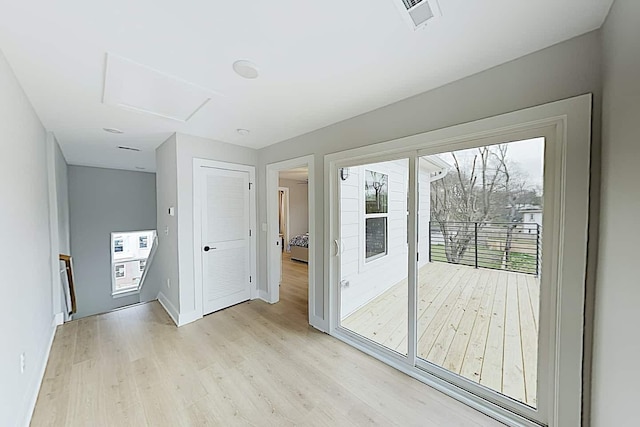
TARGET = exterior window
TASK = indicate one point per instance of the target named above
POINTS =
(376, 190)
(120, 271)
(129, 257)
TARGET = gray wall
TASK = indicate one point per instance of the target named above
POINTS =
(25, 258)
(565, 70)
(298, 206)
(102, 201)
(617, 341)
(165, 264)
(62, 194)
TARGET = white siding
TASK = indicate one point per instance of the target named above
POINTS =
(368, 279)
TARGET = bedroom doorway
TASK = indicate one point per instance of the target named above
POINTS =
(290, 231)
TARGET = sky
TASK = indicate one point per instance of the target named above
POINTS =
(527, 156)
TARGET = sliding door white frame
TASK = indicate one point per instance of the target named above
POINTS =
(566, 126)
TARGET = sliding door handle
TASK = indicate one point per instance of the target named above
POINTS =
(337, 247)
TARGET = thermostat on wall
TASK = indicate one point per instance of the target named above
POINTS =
(172, 211)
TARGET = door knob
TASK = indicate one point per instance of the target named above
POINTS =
(207, 248)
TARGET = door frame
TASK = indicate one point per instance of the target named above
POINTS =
(570, 124)
(197, 225)
(285, 190)
(274, 252)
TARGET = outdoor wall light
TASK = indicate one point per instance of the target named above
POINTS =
(344, 173)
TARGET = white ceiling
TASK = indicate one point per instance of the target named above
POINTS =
(320, 61)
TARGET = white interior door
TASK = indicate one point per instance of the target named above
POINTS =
(226, 238)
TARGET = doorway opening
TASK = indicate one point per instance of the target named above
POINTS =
(290, 251)
(293, 219)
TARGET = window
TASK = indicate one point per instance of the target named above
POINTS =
(129, 258)
(120, 271)
(376, 190)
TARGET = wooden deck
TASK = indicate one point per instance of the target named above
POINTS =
(478, 323)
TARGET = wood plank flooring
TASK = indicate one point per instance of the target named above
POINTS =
(478, 323)
(252, 364)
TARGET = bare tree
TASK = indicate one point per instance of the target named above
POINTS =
(466, 198)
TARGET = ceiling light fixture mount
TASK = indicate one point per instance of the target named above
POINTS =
(112, 130)
(246, 69)
(243, 132)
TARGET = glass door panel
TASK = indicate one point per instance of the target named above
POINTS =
(374, 252)
(479, 243)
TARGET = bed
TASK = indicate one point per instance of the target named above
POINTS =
(300, 247)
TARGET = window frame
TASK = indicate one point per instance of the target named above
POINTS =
(124, 270)
(365, 216)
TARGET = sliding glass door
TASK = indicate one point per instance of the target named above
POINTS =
(478, 290)
(374, 252)
(439, 260)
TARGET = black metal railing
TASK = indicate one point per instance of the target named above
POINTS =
(502, 246)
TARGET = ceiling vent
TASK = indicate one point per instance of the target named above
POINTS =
(418, 13)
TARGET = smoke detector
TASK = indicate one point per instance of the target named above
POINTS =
(418, 13)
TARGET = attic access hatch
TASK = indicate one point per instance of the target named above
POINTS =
(418, 13)
(139, 88)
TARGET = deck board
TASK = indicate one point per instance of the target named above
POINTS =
(478, 323)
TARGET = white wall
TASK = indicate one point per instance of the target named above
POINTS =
(565, 70)
(298, 207)
(25, 256)
(617, 340)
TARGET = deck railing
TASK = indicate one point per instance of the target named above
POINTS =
(502, 246)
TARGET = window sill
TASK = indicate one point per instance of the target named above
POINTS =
(125, 293)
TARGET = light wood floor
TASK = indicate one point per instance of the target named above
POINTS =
(252, 364)
(478, 323)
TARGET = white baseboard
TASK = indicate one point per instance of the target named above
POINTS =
(264, 296)
(185, 318)
(320, 324)
(58, 319)
(168, 307)
(40, 375)
(180, 319)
